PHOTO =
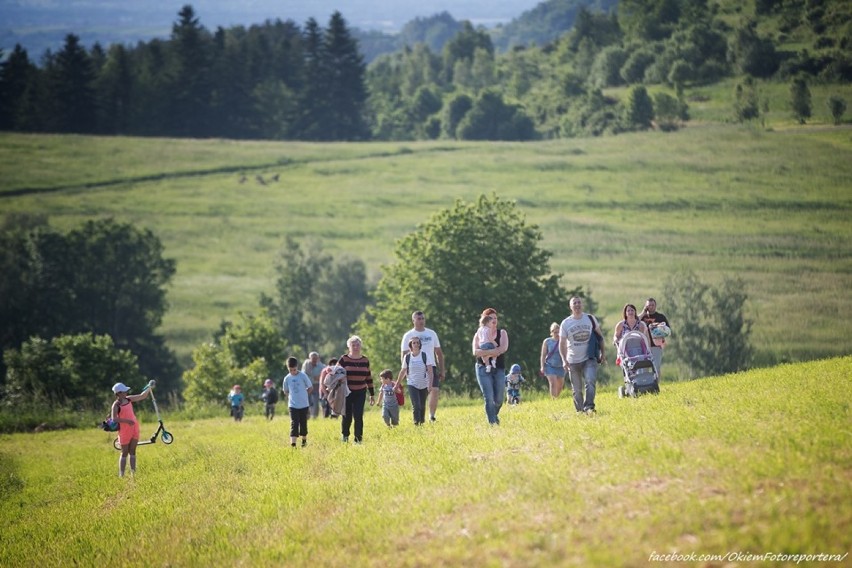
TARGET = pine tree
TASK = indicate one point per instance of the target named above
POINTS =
(16, 72)
(640, 108)
(189, 81)
(115, 91)
(314, 105)
(71, 96)
(347, 94)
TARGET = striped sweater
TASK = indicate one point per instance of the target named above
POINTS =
(358, 375)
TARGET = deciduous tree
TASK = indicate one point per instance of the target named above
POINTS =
(439, 269)
(76, 370)
(712, 330)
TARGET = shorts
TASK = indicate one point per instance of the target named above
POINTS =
(558, 371)
(436, 377)
(390, 414)
(126, 433)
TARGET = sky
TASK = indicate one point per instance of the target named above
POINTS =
(38, 24)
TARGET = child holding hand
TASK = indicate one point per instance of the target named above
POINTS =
(387, 399)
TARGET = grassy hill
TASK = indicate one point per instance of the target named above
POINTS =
(620, 214)
(752, 463)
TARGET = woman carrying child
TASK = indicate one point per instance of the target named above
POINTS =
(492, 383)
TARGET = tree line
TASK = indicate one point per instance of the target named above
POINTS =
(278, 80)
(81, 309)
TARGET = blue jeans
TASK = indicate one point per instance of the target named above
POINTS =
(418, 403)
(492, 385)
(585, 372)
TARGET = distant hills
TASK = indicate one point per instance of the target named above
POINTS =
(41, 24)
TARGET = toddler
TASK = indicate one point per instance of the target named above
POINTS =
(513, 385)
(486, 336)
(270, 398)
(235, 397)
(387, 399)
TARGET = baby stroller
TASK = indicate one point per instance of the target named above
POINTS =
(637, 365)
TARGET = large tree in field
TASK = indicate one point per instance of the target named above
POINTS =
(246, 352)
(439, 269)
(712, 333)
(103, 278)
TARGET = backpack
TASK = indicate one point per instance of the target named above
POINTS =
(408, 360)
(595, 342)
(110, 425)
(400, 396)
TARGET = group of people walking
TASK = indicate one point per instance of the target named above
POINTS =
(575, 347)
(345, 386)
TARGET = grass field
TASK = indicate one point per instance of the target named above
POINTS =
(619, 213)
(754, 463)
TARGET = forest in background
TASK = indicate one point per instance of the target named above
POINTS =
(415, 93)
(283, 81)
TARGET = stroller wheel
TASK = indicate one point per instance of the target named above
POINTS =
(116, 444)
(167, 438)
(621, 391)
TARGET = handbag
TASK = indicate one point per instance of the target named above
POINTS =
(400, 395)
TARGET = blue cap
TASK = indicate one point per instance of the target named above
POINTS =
(515, 370)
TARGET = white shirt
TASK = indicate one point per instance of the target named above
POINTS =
(577, 332)
(428, 342)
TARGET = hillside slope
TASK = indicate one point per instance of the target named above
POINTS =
(751, 464)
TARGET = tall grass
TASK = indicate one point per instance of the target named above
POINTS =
(621, 214)
(755, 462)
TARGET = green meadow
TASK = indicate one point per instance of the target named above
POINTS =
(748, 464)
(620, 214)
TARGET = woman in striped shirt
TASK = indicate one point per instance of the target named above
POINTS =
(360, 381)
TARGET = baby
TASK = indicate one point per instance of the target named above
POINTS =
(486, 336)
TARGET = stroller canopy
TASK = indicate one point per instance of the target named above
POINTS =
(633, 344)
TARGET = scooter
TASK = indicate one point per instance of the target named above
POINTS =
(166, 436)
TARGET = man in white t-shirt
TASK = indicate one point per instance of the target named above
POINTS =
(431, 345)
(574, 334)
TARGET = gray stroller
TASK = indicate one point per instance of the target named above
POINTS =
(637, 365)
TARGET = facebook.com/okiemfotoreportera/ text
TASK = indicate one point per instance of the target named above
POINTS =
(737, 556)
